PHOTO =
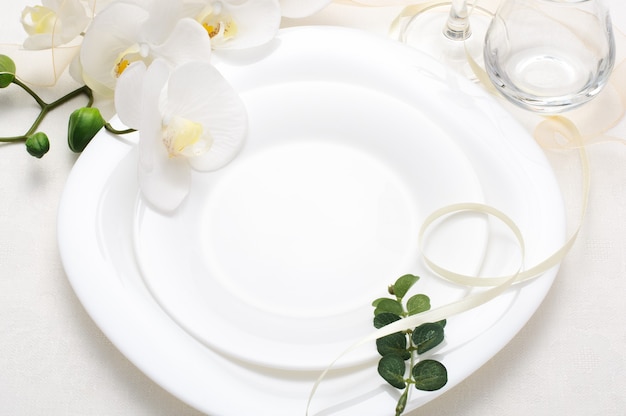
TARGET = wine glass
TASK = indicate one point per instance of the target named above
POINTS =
(550, 56)
(443, 31)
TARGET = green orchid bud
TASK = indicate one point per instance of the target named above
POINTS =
(83, 126)
(7, 71)
(37, 144)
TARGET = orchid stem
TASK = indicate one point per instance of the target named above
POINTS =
(32, 93)
(13, 139)
(113, 130)
(45, 107)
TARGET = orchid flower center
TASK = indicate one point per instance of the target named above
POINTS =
(217, 22)
(185, 137)
(132, 54)
(38, 20)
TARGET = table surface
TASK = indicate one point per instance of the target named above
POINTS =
(569, 359)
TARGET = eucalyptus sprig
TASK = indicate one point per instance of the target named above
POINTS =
(401, 350)
(83, 124)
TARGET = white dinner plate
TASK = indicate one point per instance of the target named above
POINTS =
(265, 274)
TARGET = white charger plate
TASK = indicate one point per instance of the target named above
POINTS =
(266, 272)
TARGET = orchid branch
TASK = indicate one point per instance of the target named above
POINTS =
(45, 108)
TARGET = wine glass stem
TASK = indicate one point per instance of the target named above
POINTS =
(457, 26)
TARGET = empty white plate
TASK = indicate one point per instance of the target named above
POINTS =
(266, 272)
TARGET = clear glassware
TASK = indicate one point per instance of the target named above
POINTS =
(443, 31)
(550, 56)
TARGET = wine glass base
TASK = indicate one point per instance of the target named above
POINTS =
(425, 31)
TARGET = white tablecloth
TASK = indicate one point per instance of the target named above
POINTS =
(569, 360)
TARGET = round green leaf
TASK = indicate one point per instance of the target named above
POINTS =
(385, 318)
(417, 304)
(388, 305)
(427, 336)
(377, 301)
(392, 369)
(403, 284)
(429, 375)
(394, 344)
(7, 71)
(37, 145)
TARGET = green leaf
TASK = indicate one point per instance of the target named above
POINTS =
(388, 305)
(394, 344)
(429, 375)
(385, 318)
(427, 336)
(392, 369)
(377, 301)
(417, 304)
(403, 284)
(7, 71)
(37, 145)
(83, 125)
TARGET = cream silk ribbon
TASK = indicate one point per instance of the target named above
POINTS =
(552, 132)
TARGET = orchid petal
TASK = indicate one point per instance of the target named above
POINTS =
(113, 31)
(198, 91)
(128, 94)
(187, 42)
(164, 181)
(154, 81)
(257, 23)
(192, 8)
(96, 6)
(163, 15)
(167, 184)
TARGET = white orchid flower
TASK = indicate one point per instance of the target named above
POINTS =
(127, 32)
(53, 23)
(188, 118)
(302, 8)
(236, 24)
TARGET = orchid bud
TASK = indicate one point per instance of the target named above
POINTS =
(83, 125)
(37, 144)
(7, 71)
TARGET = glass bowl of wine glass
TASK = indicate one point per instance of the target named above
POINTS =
(550, 56)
